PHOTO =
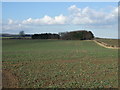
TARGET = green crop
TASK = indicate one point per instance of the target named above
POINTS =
(60, 63)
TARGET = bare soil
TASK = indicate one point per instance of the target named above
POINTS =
(9, 80)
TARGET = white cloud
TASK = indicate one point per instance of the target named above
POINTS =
(113, 16)
(28, 21)
(60, 19)
(91, 16)
(10, 21)
(46, 20)
(73, 8)
(13, 25)
(77, 16)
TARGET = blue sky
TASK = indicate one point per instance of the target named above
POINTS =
(22, 10)
(54, 17)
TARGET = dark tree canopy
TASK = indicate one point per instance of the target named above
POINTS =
(77, 35)
(45, 36)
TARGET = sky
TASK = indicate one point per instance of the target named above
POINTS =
(53, 17)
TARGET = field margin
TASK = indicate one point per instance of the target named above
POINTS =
(105, 45)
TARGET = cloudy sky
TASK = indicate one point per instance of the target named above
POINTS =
(43, 17)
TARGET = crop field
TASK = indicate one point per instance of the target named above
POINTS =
(15, 37)
(58, 64)
(112, 42)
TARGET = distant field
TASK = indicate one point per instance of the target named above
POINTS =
(112, 42)
(14, 37)
(59, 63)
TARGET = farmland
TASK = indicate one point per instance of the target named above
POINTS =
(112, 42)
(59, 64)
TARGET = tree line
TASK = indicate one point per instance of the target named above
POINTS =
(77, 35)
(73, 35)
(46, 36)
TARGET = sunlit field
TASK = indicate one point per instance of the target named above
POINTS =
(59, 64)
(112, 42)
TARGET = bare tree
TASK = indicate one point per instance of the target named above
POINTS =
(22, 34)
